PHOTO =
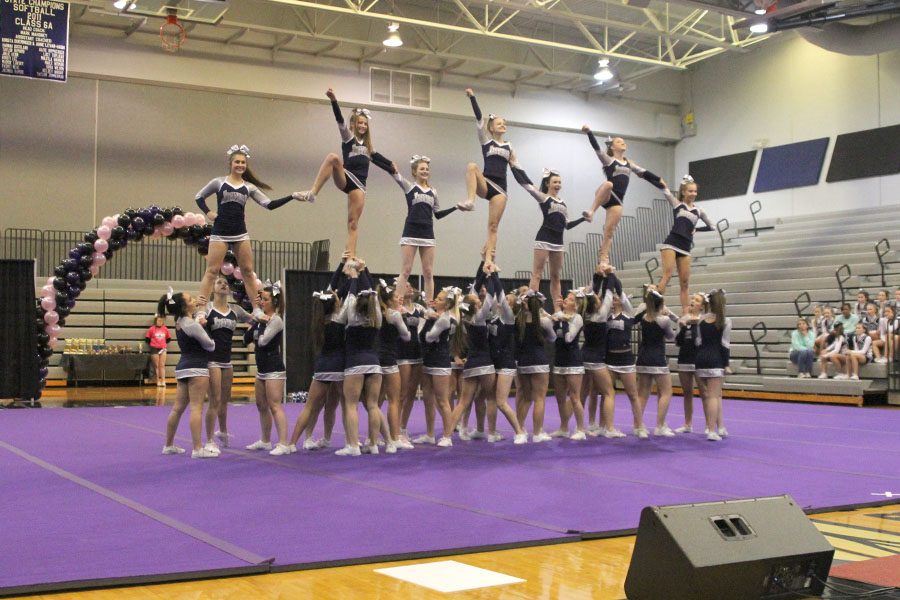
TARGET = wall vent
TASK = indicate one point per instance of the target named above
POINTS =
(400, 88)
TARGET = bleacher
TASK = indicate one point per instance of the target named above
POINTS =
(765, 271)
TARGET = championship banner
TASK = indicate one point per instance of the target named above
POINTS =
(34, 38)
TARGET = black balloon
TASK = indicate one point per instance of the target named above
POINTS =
(62, 320)
(144, 214)
(176, 210)
(124, 220)
(130, 212)
(42, 373)
(59, 271)
(69, 304)
(43, 361)
(43, 338)
(61, 298)
(70, 264)
(64, 311)
(85, 248)
(135, 235)
(74, 292)
(75, 253)
(167, 214)
(158, 219)
(138, 223)
(203, 250)
(73, 278)
(117, 233)
(86, 275)
(60, 284)
(115, 244)
(148, 230)
(85, 262)
(108, 254)
(45, 351)
(207, 229)
(90, 237)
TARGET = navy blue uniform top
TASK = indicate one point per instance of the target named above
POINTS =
(354, 152)
(713, 345)
(267, 336)
(654, 335)
(231, 202)
(556, 215)
(568, 353)
(434, 336)
(685, 218)
(421, 204)
(221, 326)
(496, 155)
(393, 329)
(478, 344)
(687, 349)
(411, 350)
(194, 344)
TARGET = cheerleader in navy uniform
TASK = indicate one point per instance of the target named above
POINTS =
(652, 365)
(222, 319)
(713, 354)
(350, 170)
(409, 361)
(568, 366)
(191, 373)
(362, 371)
(595, 313)
(267, 336)
(490, 183)
(619, 356)
(502, 343)
(328, 370)
(676, 249)
(418, 230)
(533, 329)
(687, 352)
(434, 335)
(548, 244)
(393, 331)
(229, 225)
(859, 351)
(888, 326)
(611, 193)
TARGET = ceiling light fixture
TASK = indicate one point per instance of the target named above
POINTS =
(760, 27)
(123, 4)
(604, 73)
(393, 39)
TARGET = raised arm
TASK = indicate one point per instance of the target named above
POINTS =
(480, 121)
(522, 179)
(575, 325)
(547, 326)
(273, 328)
(643, 173)
(335, 107)
(242, 315)
(673, 201)
(605, 158)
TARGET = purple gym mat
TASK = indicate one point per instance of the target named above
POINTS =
(93, 500)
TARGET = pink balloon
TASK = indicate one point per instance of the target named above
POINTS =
(167, 229)
(95, 269)
(199, 219)
(101, 245)
(108, 222)
(48, 303)
(237, 274)
(103, 232)
(188, 219)
(50, 281)
(51, 317)
(178, 221)
(48, 290)
(53, 341)
(227, 268)
(98, 258)
(53, 330)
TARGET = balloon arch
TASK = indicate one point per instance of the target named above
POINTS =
(86, 259)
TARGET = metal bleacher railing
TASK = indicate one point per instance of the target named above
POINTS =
(158, 259)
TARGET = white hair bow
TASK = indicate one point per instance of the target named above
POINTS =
(363, 111)
(464, 306)
(416, 158)
(579, 293)
(169, 293)
(655, 293)
(550, 173)
(386, 287)
(608, 141)
(491, 116)
(323, 295)
(705, 297)
(687, 179)
(367, 292)
(276, 287)
(235, 149)
(534, 294)
(451, 291)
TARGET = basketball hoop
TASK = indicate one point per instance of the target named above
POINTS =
(171, 33)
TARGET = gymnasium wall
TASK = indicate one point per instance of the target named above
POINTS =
(134, 126)
(783, 91)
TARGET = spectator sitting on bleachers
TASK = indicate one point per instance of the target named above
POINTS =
(888, 328)
(802, 352)
(847, 319)
(895, 303)
(881, 300)
(862, 298)
(859, 352)
(835, 346)
(870, 322)
(823, 321)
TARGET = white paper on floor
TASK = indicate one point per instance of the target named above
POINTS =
(449, 576)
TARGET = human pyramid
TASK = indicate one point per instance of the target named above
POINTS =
(378, 341)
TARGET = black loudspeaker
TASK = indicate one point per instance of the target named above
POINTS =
(760, 548)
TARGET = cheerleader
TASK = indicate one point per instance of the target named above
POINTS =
(611, 193)
(862, 300)
(713, 343)
(823, 322)
(220, 322)
(687, 353)
(418, 230)
(393, 330)
(619, 356)
(533, 329)
(888, 327)
(548, 244)
(676, 249)
(859, 352)
(267, 337)
(834, 351)
(191, 373)
(229, 225)
(490, 183)
(870, 322)
(595, 313)
(350, 170)
(568, 366)
(361, 313)
(652, 365)
(502, 343)
(328, 370)
(434, 336)
(409, 361)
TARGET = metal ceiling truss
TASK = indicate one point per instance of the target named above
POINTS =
(548, 43)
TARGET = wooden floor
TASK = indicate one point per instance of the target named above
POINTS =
(584, 570)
